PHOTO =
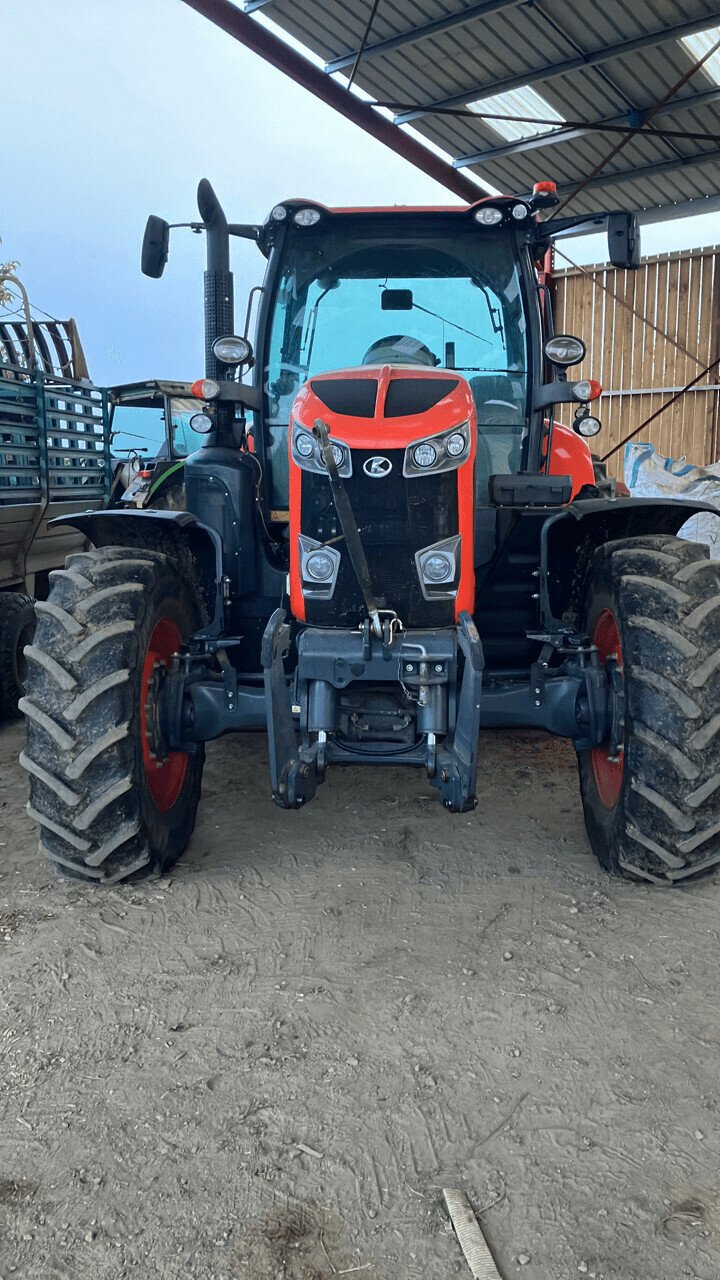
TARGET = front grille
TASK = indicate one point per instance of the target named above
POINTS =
(396, 517)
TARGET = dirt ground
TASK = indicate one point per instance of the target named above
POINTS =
(268, 1065)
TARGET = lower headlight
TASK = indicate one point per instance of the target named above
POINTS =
(456, 444)
(304, 444)
(424, 455)
(202, 423)
(319, 565)
(587, 426)
(438, 567)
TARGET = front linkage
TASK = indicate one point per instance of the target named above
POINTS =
(440, 735)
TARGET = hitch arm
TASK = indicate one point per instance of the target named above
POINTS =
(348, 524)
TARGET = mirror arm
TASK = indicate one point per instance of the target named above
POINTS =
(240, 393)
(245, 230)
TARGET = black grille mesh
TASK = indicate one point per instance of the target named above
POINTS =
(353, 397)
(396, 517)
(406, 396)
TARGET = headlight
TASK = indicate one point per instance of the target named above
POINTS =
(424, 455)
(306, 217)
(232, 350)
(202, 423)
(587, 426)
(438, 567)
(319, 565)
(456, 444)
(488, 216)
(337, 453)
(279, 213)
(563, 350)
(304, 444)
(519, 212)
(444, 452)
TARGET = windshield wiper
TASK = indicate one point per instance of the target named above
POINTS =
(453, 325)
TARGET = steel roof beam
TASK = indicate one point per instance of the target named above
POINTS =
(643, 171)
(683, 209)
(559, 68)
(630, 118)
(279, 54)
(446, 23)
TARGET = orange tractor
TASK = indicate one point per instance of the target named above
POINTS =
(389, 541)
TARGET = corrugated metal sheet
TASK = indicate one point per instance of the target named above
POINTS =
(531, 41)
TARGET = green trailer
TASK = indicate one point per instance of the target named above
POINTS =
(55, 460)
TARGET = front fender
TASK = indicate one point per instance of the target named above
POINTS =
(177, 533)
(569, 539)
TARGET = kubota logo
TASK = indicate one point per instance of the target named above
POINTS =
(377, 467)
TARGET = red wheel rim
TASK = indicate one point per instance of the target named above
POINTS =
(608, 773)
(165, 778)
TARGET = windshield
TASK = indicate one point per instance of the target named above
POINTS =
(446, 301)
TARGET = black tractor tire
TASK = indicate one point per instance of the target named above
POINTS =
(663, 823)
(105, 808)
(17, 626)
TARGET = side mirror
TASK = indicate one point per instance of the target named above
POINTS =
(623, 232)
(155, 246)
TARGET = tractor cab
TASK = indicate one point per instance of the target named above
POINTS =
(435, 289)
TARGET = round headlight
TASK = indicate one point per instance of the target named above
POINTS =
(232, 350)
(304, 444)
(202, 423)
(487, 216)
(588, 426)
(279, 213)
(437, 567)
(519, 211)
(338, 454)
(306, 217)
(319, 565)
(564, 350)
(456, 444)
(424, 455)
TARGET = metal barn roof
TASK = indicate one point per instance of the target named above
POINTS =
(591, 64)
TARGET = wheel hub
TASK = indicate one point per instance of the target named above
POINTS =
(157, 746)
(608, 761)
(165, 770)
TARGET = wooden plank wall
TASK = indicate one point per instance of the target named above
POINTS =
(678, 292)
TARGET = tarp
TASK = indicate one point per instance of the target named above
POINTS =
(648, 474)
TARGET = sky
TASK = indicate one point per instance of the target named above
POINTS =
(113, 109)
